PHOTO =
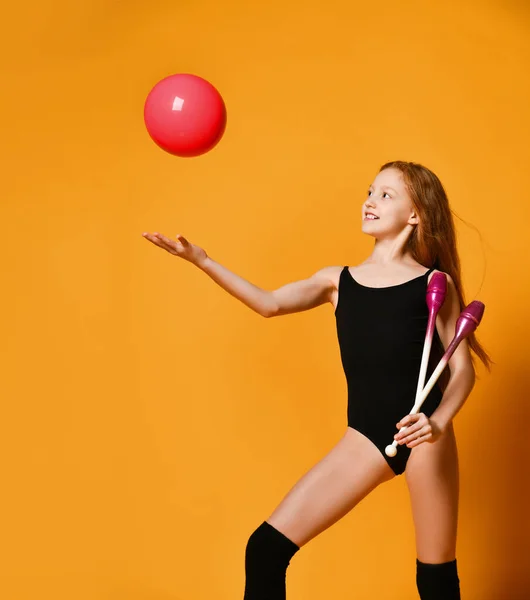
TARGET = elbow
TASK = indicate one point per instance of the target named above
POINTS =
(269, 312)
(270, 307)
(470, 371)
(473, 378)
(469, 375)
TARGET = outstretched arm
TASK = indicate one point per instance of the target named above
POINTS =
(293, 297)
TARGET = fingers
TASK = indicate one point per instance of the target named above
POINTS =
(418, 430)
(417, 437)
(419, 440)
(413, 425)
(163, 242)
(182, 239)
(410, 420)
(405, 426)
(152, 237)
(169, 245)
(163, 239)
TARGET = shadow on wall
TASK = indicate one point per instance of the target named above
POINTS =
(509, 526)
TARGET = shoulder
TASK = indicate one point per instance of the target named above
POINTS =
(329, 275)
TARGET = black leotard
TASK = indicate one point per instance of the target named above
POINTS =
(381, 333)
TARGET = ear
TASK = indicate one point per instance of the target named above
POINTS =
(413, 219)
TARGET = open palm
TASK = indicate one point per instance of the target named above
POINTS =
(179, 247)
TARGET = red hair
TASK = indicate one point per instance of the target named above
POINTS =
(433, 240)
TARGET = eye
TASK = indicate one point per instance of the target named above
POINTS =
(385, 194)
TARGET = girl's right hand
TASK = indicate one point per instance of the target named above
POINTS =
(181, 247)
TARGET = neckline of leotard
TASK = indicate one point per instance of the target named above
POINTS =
(387, 287)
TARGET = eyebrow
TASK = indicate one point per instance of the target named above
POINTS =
(387, 187)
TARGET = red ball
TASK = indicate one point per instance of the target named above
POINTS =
(185, 115)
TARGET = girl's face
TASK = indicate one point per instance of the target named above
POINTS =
(388, 200)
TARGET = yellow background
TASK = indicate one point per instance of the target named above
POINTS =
(150, 421)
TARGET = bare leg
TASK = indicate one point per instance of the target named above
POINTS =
(339, 481)
(432, 478)
(328, 491)
(433, 483)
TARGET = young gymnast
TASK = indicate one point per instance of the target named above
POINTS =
(381, 317)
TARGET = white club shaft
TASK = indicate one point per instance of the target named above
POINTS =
(430, 384)
(426, 353)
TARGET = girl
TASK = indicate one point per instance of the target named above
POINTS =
(381, 318)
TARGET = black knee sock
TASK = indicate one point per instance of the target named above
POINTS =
(267, 557)
(438, 581)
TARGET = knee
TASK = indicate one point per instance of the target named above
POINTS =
(268, 544)
(267, 556)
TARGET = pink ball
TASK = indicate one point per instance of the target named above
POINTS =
(185, 115)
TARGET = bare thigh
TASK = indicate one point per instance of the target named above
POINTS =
(330, 489)
(433, 483)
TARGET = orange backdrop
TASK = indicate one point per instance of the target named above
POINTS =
(150, 420)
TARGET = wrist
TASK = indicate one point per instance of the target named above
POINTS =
(439, 423)
(203, 263)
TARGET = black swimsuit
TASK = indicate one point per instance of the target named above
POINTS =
(381, 332)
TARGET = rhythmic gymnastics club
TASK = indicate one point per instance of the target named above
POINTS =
(467, 322)
(435, 296)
